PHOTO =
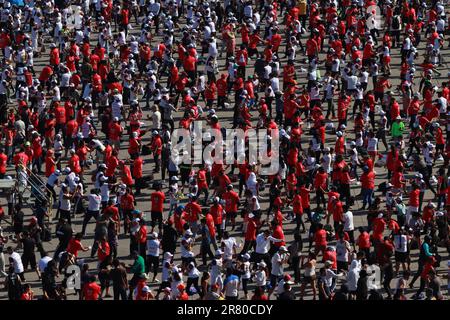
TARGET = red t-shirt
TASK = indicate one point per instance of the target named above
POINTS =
(91, 291)
(157, 199)
(320, 237)
(74, 246)
(231, 201)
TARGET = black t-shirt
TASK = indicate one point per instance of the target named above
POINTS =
(29, 244)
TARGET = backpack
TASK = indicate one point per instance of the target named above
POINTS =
(396, 23)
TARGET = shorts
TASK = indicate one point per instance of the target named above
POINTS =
(29, 259)
(155, 215)
(231, 215)
(387, 59)
(401, 256)
(308, 279)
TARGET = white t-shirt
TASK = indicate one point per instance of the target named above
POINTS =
(17, 262)
(94, 202)
(348, 221)
(372, 144)
(43, 263)
(64, 203)
(153, 247)
(277, 267)
(232, 286)
(229, 244)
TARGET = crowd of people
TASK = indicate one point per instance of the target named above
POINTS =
(356, 90)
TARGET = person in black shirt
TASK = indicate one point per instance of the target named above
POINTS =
(64, 233)
(18, 220)
(28, 256)
(169, 237)
(13, 285)
(288, 294)
(342, 294)
(49, 286)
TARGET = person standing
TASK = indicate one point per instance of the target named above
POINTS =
(118, 276)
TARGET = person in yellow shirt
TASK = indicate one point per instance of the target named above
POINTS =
(302, 6)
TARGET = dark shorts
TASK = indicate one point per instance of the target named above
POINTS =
(155, 215)
(401, 256)
(231, 215)
(342, 265)
(29, 259)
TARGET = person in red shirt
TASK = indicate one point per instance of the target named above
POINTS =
(321, 185)
(74, 162)
(103, 250)
(156, 148)
(193, 212)
(157, 198)
(182, 295)
(363, 241)
(190, 67)
(125, 173)
(414, 201)
(27, 294)
(217, 213)
(231, 205)
(3, 163)
(137, 174)
(222, 87)
(127, 206)
(75, 245)
(378, 227)
(320, 240)
(115, 133)
(60, 117)
(54, 55)
(210, 94)
(367, 186)
(91, 290)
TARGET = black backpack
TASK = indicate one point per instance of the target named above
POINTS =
(396, 22)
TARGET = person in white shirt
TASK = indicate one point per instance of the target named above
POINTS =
(246, 275)
(43, 262)
(352, 279)
(263, 241)
(65, 203)
(231, 286)
(153, 245)
(16, 262)
(93, 211)
(229, 246)
(349, 226)
(278, 260)
(193, 277)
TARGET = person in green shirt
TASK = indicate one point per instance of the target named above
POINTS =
(138, 271)
(397, 128)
